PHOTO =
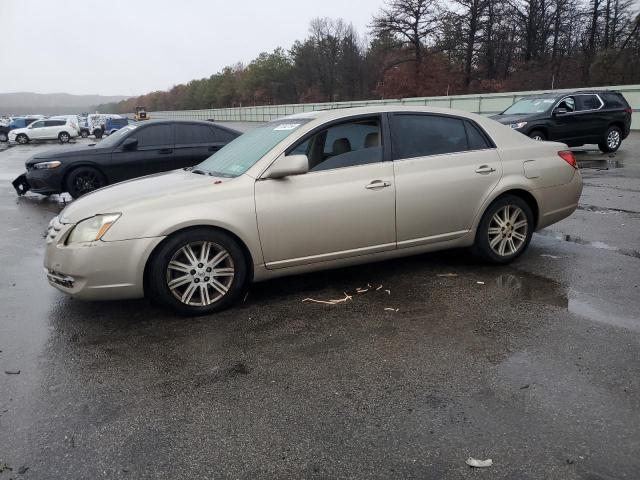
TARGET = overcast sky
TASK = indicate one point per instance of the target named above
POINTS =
(130, 47)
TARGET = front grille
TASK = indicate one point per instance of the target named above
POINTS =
(60, 279)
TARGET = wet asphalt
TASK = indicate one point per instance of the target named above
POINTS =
(534, 365)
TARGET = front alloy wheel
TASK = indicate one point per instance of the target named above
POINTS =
(197, 272)
(200, 273)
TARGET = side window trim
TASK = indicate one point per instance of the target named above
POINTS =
(488, 140)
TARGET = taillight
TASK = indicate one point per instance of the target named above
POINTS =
(568, 157)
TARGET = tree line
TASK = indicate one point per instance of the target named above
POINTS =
(429, 47)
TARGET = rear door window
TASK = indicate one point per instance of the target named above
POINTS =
(588, 102)
(154, 135)
(54, 123)
(223, 135)
(193, 134)
(424, 135)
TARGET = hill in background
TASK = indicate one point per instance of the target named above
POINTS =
(52, 103)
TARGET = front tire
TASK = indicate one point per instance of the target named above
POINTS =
(83, 180)
(98, 134)
(64, 137)
(22, 139)
(611, 141)
(505, 230)
(198, 272)
(537, 135)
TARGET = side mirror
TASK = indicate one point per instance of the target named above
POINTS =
(286, 166)
(130, 143)
(560, 111)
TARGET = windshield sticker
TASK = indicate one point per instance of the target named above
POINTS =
(286, 126)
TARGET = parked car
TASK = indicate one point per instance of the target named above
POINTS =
(48, 129)
(600, 116)
(14, 123)
(309, 192)
(112, 125)
(73, 119)
(132, 151)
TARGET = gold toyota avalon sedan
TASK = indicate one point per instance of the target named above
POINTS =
(313, 191)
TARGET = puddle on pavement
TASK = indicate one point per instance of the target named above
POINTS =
(587, 243)
(600, 163)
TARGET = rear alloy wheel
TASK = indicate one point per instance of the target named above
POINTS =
(3, 137)
(505, 230)
(64, 137)
(22, 139)
(198, 272)
(83, 180)
(537, 135)
(611, 141)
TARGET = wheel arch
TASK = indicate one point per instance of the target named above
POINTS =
(539, 128)
(243, 246)
(520, 193)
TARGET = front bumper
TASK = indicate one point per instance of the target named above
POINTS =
(45, 182)
(97, 270)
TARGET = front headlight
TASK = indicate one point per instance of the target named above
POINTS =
(515, 126)
(92, 229)
(47, 165)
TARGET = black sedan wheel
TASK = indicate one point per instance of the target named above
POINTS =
(84, 180)
(537, 135)
(3, 137)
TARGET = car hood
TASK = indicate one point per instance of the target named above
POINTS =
(141, 193)
(509, 119)
(67, 152)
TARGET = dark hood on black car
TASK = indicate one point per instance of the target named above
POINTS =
(64, 153)
(509, 119)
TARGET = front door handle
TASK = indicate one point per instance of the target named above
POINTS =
(165, 151)
(377, 184)
(485, 169)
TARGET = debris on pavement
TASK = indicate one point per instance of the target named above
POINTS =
(473, 462)
(379, 288)
(4, 467)
(388, 292)
(389, 309)
(12, 372)
(555, 257)
(447, 275)
(362, 290)
(346, 298)
(22, 470)
(524, 386)
(480, 283)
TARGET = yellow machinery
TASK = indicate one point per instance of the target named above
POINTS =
(141, 114)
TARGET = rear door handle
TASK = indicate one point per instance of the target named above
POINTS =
(485, 169)
(376, 184)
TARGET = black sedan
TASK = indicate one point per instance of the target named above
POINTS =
(133, 151)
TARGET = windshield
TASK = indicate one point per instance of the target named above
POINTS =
(243, 152)
(113, 139)
(530, 105)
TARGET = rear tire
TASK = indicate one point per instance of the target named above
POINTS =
(4, 137)
(64, 137)
(611, 141)
(537, 135)
(22, 139)
(505, 230)
(83, 180)
(84, 134)
(197, 272)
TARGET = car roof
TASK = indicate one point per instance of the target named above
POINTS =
(170, 120)
(338, 113)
